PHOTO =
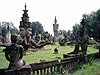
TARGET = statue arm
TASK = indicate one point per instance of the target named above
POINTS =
(39, 45)
(4, 45)
(21, 52)
(7, 55)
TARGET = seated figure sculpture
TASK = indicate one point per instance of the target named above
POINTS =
(14, 54)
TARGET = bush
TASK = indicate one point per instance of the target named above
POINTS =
(60, 40)
(97, 45)
(91, 41)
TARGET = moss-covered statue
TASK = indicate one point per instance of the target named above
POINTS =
(83, 35)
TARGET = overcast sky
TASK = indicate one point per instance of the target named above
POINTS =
(68, 12)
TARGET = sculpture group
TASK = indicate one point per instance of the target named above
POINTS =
(15, 50)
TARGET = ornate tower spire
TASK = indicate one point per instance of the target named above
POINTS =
(25, 20)
(25, 6)
(55, 21)
(8, 28)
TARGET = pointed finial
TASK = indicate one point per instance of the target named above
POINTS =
(55, 20)
(84, 16)
(25, 6)
(8, 28)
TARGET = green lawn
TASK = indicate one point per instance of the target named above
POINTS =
(92, 68)
(46, 53)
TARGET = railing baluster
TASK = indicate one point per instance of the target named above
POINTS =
(51, 69)
(48, 70)
(33, 72)
(38, 72)
(41, 72)
(54, 68)
(45, 71)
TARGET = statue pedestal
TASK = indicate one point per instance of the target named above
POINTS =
(16, 65)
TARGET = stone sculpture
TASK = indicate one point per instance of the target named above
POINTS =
(37, 37)
(26, 33)
(55, 28)
(84, 36)
(83, 41)
(14, 54)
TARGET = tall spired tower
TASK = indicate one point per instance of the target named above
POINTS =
(25, 26)
(55, 28)
(25, 20)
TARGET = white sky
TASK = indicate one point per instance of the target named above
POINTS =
(68, 12)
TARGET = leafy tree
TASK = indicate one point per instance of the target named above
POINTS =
(4, 26)
(69, 33)
(94, 24)
(0, 29)
(75, 31)
(37, 27)
(13, 29)
(62, 32)
(4, 29)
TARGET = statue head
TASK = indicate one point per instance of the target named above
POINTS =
(25, 32)
(22, 32)
(28, 32)
(83, 22)
(13, 38)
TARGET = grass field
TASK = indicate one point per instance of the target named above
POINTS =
(92, 68)
(46, 53)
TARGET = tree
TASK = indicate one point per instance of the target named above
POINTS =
(69, 33)
(0, 29)
(62, 32)
(94, 24)
(4, 30)
(37, 27)
(4, 26)
(13, 29)
(75, 31)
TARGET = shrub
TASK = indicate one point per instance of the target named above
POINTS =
(60, 40)
(97, 45)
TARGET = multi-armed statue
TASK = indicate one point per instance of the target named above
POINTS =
(14, 51)
(26, 33)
